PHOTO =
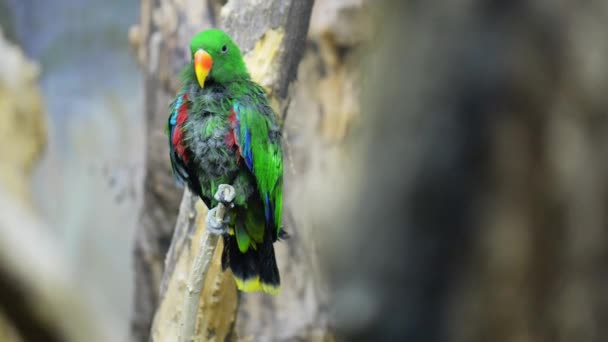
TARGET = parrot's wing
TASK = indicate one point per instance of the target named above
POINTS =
(174, 131)
(184, 172)
(258, 140)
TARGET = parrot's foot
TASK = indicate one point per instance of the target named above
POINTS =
(225, 194)
(217, 219)
(215, 224)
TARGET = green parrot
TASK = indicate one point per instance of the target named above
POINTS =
(223, 135)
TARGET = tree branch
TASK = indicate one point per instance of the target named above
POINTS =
(198, 273)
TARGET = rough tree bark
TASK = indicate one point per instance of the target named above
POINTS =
(479, 212)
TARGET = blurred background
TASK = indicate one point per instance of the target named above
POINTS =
(72, 96)
(445, 170)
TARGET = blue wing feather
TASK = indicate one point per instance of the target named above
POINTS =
(247, 150)
(267, 208)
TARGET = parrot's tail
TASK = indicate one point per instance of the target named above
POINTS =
(254, 270)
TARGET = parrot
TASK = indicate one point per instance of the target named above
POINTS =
(223, 135)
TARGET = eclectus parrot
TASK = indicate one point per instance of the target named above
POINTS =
(223, 134)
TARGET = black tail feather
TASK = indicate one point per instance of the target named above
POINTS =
(255, 270)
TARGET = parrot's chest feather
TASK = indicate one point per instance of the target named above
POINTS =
(208, 137)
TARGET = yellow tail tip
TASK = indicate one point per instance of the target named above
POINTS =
(254, 285)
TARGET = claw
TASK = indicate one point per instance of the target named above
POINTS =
(216, 225)
(225, 194)
(217, 219)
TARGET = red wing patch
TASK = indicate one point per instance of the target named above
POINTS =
(231, 136)
(178, 134)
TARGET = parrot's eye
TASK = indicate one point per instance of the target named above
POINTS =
(224, 49)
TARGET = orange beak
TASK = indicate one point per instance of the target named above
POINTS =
(202, 66)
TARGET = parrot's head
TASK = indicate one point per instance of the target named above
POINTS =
(215, 57)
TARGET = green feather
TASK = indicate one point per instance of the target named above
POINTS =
(254, 221)
(266, 154)
(242, 238)
(212, 125)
